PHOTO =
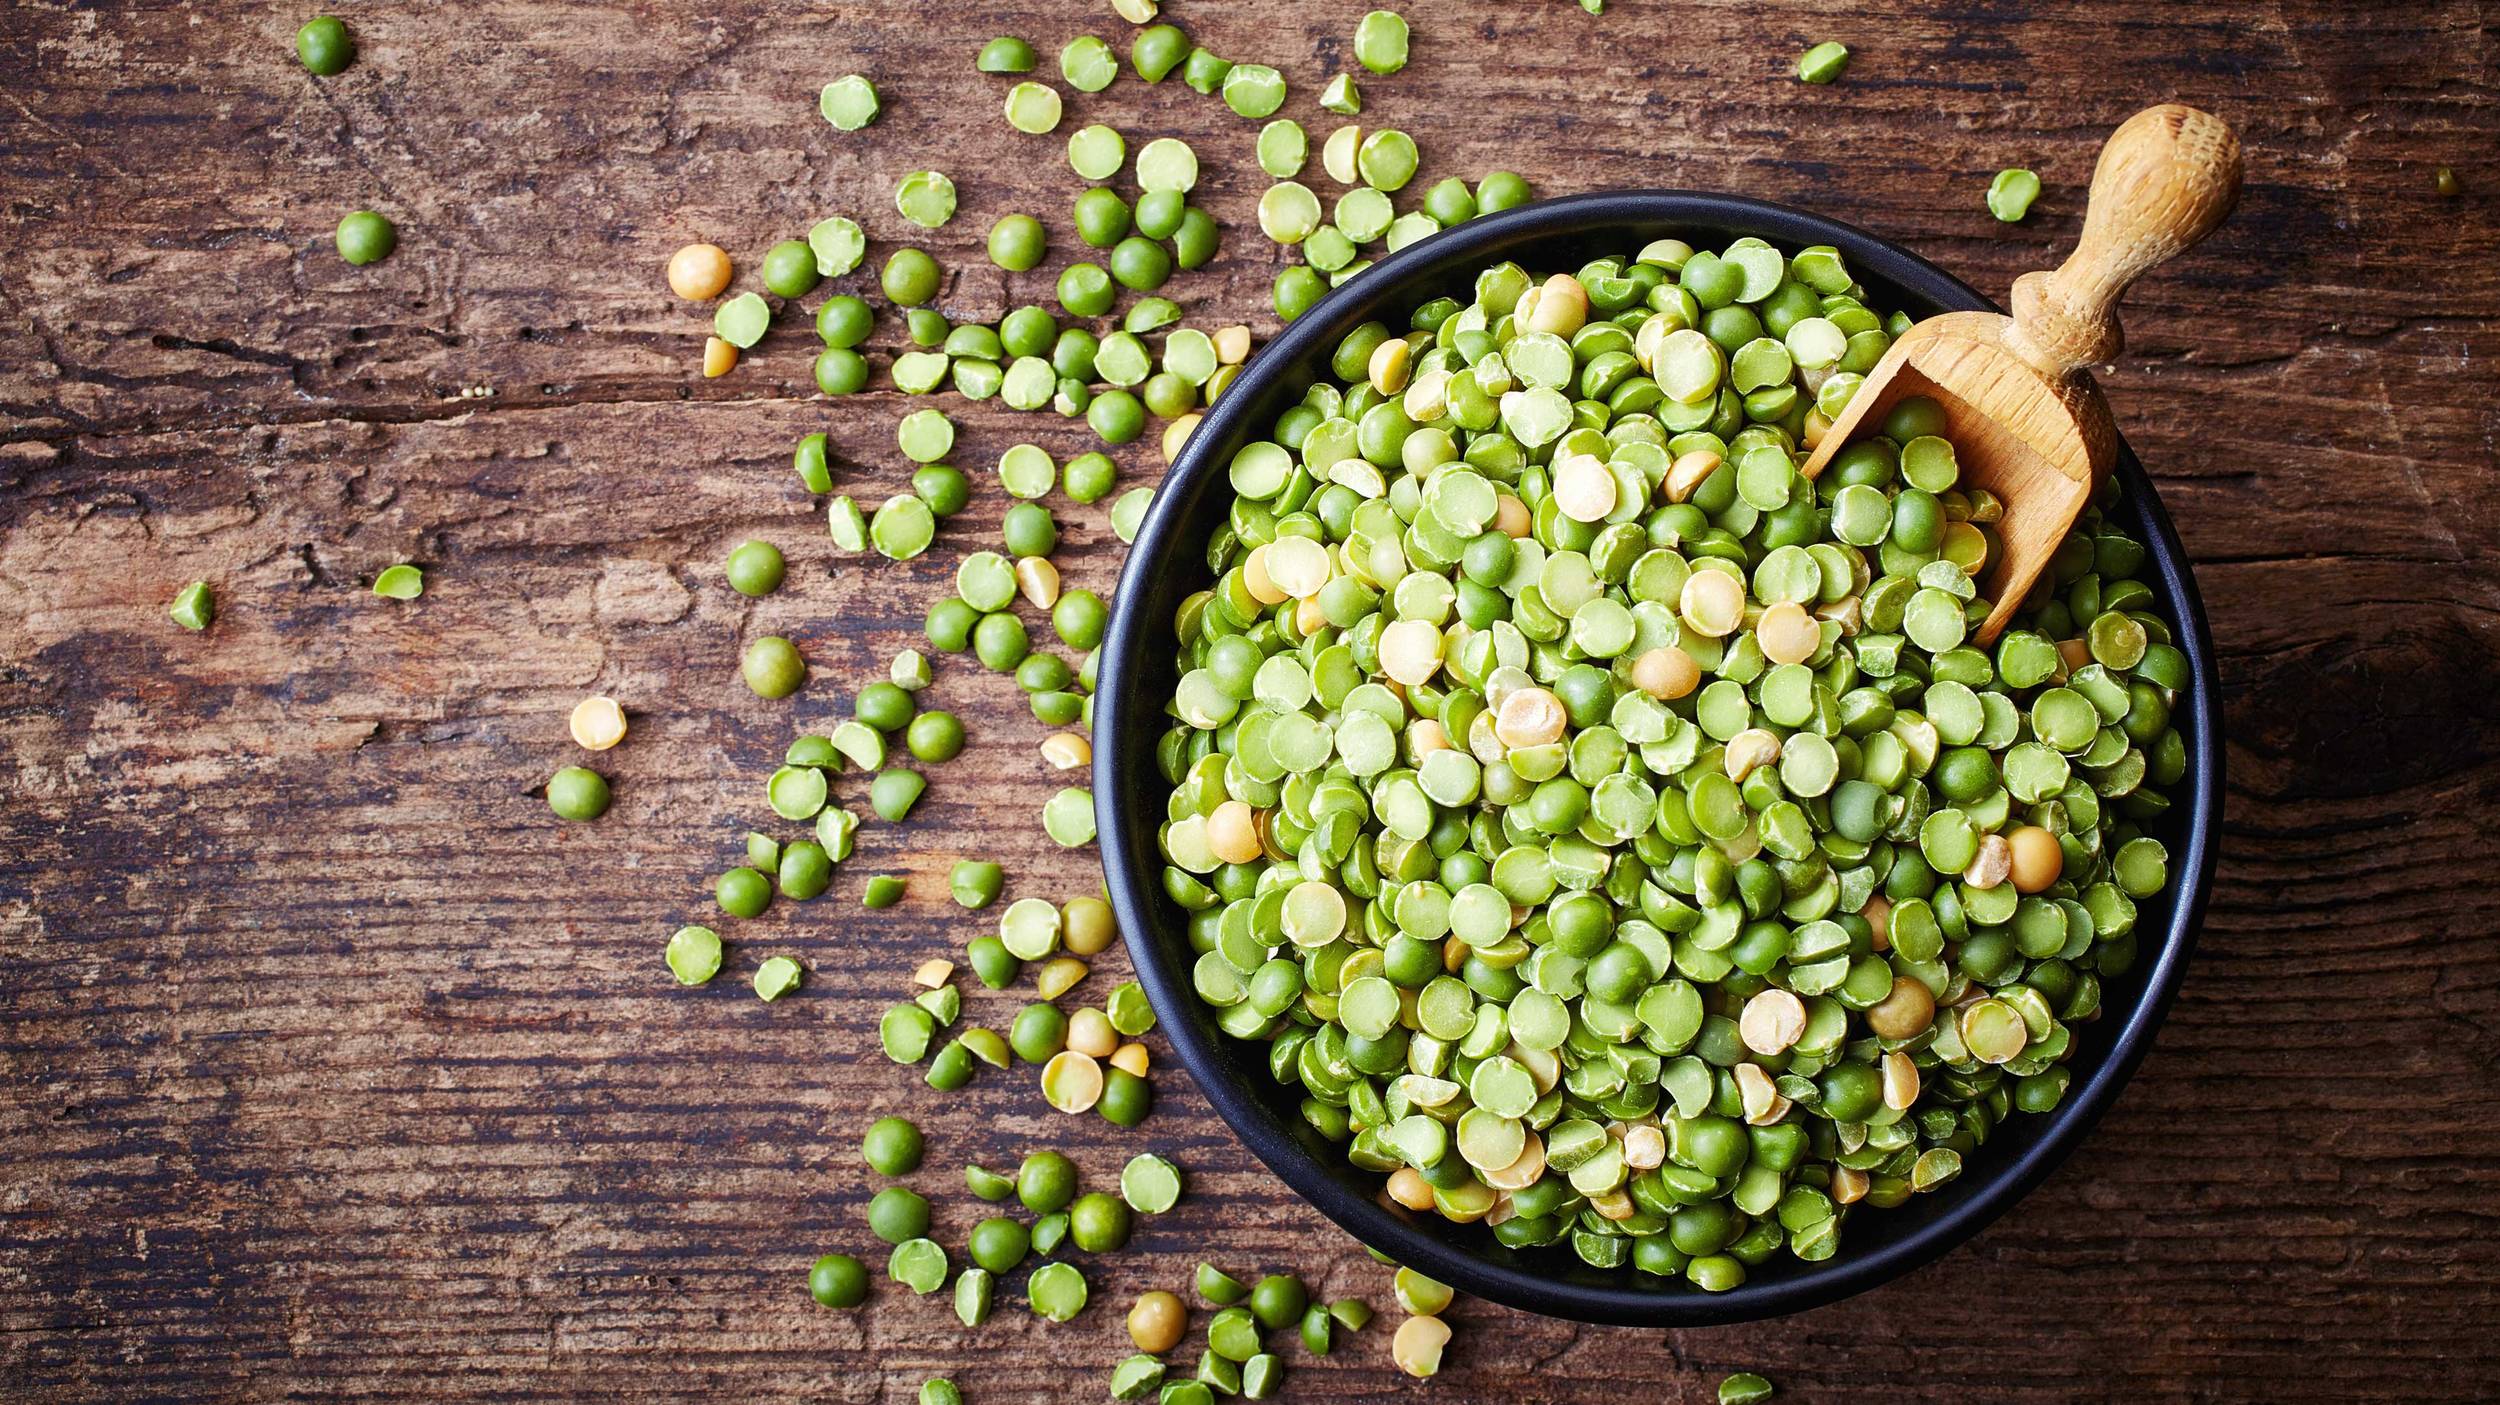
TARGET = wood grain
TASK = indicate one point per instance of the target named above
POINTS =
(331, 1067)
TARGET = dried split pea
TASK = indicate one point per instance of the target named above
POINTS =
(719, 358)
(1071, 1081)
(1131, 1058)
(1418, 1345)
(598, 723)
(1066, 751)
(699, 272)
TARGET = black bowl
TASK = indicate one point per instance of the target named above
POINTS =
(1137, 675)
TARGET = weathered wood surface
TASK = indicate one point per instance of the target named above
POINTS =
(330, 1066)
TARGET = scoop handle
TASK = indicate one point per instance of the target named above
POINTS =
(2166, 178)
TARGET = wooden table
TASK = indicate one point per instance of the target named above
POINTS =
(332, 1066)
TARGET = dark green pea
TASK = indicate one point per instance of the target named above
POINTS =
(926, 326)
(1203, 71)
(325, 48)
(1450, 202)
(1298, 290)
(1027, 331)
(1017, 243)
(892, 1147)
(1098, 1223)
(1851, 1091)
(1500, 190)
(1085, 290)
(1279, 1301)
(999, 1244)
(1157, 50)
(1043, 673)
(975, 883)
(1030, 530)
(844, 321)
(894, 792)
(1168, 396)
(838, 1281)
(790, 269)
(815, 470)
(949, 625)
(1197, 238)
(910, 278)
(1116, 416)
(1126, 1098)
(840, 371)
(1102, 218)
(1318, 1330)
(1072, 356)
(884, 706)
(1159, 213)
(743, 892)
(1038, 1032)
(882, 891)
(999, 642)
(993, 963)
(1046, 1182)
(897, 1215)
(365, 237)
(577, 793)
(1080, 618)
(805, 870)
(943, 487)
(934, 737)
(1088, 477)
(1140, 264)
(1006, 54)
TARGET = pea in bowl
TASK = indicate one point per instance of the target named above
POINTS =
(1518, 901)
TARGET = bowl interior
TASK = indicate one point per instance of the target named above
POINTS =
(1137, 676)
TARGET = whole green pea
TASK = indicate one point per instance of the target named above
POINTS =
(1017, 243)
(365, 237)
(884, 706)
(838, 1281)
(949, 625)
(790, 269)
(999, 642)
(1047, 1180)
(324, 46)
(1080, 617)
(844, 321)
(1098, 1223)
(743, 892)
(755, 568)
(910, 278)
(577, 793)
(772, 667)
(897, 1215)
(892, 1147)
(1278, 1301)
(841, 371)
(935, 737)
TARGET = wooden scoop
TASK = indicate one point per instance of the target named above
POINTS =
(2027, 422)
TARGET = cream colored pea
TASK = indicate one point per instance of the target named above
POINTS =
(1408, 1187)
(1427, 397)
(1086, 926)
(1410, 651)
(1155, 1322)
(719, 358)
(598, 723)
(1562, 307)
(1071, 1081)
(1130, 1058)
(2074, 654)
(1900, 1081)
(1713, 603)
(2036, 858)
(1687, 472)
(1232, 345)
(1059, 975)
(1308, 617)
(1613, 1205)
(1811, 433)
(1298, 566)
(1065, 751)
(1993, 1031)
(1511, 517)
(1848, 1186)
(932, 973)
(1583, 489)
(1255, 579)
(1787, 633)
(1417, 1346)
(698, 272)
(1763, 1103)
(1749, 751)
(1037, 580)
(1993, 864)
(1090, 1033)
(1773, 1021)
(1878, 915)
(1529, 717)
(1666, 673)
(1176, 434)
(1905, 1013)
(1644, 1147)
(1426, 736)
(1232, 834)
(1523, 1172)
(1390, 363)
